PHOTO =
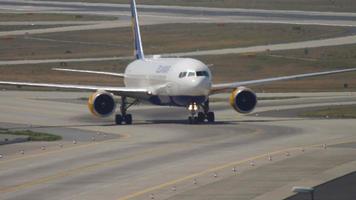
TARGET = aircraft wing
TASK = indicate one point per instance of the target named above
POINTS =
(220, 88)
(89, 72)
(119, 91)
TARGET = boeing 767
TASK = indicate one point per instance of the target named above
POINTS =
(182, 82)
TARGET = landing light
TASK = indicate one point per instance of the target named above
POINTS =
(193, 107)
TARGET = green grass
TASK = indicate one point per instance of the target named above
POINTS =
(336, 112)
(33, 17)
(28, 27)
(33, 136)
(228, 68)
(159, 39)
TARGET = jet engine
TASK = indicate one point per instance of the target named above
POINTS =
(243, 100)
(102, 104)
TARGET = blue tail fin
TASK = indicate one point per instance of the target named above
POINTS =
(136, 30)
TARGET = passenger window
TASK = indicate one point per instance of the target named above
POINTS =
(191, 74)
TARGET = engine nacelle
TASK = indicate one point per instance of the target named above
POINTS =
(102, 104)
(243, 100)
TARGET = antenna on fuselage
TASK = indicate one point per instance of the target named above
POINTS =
(136, 31)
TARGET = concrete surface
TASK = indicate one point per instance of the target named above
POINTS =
(161, 155)
(263, 180)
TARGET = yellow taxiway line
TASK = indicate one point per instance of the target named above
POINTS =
(70, 172)
(220, 167)
(78, 170)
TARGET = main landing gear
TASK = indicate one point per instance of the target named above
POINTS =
(200, 117)
(124, 117)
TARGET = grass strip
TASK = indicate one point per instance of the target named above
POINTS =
(33, 136)
(336, 112)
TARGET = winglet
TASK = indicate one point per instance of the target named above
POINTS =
(136, 30)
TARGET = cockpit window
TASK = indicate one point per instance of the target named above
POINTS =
(182, 74)
(202, 73)
(191, 74)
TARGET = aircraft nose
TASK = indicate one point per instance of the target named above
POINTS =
(201, 85)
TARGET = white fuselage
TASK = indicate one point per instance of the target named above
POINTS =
(172, 81)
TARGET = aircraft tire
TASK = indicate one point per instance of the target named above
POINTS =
(191, 120)
(201, 117)
(210, 117)
(128, 119)
(118, 119)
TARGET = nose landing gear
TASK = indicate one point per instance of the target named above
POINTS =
(193, 109)
(200, 117)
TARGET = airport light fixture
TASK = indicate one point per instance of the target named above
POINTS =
(195, 181)
(298, 190)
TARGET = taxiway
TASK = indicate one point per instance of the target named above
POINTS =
(161, 155)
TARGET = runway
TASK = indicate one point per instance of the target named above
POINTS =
(164, 157)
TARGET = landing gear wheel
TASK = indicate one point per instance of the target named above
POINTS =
(201, 117)
(195, 120)
(128, 119)
(191, 120)
(211, 117)
(118, 119)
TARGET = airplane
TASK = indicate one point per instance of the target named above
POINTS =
(182, 82)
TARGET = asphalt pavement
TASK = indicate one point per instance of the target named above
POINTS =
(162, 155)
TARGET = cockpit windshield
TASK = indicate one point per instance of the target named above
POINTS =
(193, 74)
(182, 74)
(202, 73)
